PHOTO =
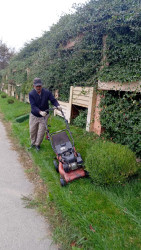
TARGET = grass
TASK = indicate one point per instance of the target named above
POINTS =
(85, 216)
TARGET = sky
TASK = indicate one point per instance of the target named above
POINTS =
(24, 20)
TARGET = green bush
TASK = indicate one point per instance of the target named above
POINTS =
(22, 118)
(3, 95)
(109, 163)
(10, 101)
(121, 118)
(80, 120)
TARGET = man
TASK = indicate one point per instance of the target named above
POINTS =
(39, 98)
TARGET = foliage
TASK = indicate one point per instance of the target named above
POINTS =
(60, 66)
(22, 118)
(3, 95)
(81, 213)
(121, 118)
(89, 59)
(123, 56)
(109, 163)
(5, 55)
(80, 120)
(10, 101)
(16, 110)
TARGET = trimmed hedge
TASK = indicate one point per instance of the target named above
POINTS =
(10, 101)
(22, 118)
(109, 163)
(121, 117)
(3, 95)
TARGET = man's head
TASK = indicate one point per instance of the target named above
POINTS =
(37, 83)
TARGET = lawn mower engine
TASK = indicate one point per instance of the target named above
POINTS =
(68, 156)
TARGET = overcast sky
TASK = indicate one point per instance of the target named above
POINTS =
(23, 20)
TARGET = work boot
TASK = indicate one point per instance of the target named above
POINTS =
(37, 148)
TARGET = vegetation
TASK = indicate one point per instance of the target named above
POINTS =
(84, 216)
(121, 118)
(109, 163)
(80, 120)
(5, 55)
(22, 118)
(3, 95)
(10, 101)
(106, 40)
(106, 44)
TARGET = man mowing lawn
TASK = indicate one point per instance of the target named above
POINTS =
(39, 98)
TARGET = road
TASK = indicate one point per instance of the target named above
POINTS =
(21, 228)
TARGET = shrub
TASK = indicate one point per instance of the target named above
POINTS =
(3, 95)
(80, 120)
(109, 163)
(121, 118)
(22, 118)
(10, 101)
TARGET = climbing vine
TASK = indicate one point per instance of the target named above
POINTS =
(121, 118)
(89, 60)
(59, 68)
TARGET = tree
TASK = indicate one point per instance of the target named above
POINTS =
(5, 55)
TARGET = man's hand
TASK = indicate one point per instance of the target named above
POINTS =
(42, 113)
(59, 108)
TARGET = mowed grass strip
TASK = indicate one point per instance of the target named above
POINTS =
(92, 217)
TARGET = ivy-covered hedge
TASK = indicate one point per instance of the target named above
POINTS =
(59, 68)
(117, 58)
(123, 55)
(121, 118)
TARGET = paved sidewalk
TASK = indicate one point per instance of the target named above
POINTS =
(20, 228)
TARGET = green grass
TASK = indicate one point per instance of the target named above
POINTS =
(90, 217)
(14, 110)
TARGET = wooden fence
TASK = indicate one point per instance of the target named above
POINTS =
(82, 97)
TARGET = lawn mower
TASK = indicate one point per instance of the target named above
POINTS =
(68, 162)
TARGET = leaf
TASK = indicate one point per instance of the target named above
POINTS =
(73, 244)
(92, 229)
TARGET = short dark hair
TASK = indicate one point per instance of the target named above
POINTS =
(37, 81)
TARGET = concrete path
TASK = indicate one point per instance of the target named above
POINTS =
(20, 228)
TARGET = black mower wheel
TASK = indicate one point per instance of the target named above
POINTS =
(63, 182)
(56, 165)
(87, 174)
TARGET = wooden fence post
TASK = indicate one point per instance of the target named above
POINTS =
(91, 108)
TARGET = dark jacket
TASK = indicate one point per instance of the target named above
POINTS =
(40, 102)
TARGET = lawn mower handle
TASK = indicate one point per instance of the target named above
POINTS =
(66, 121)
(52, 109)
